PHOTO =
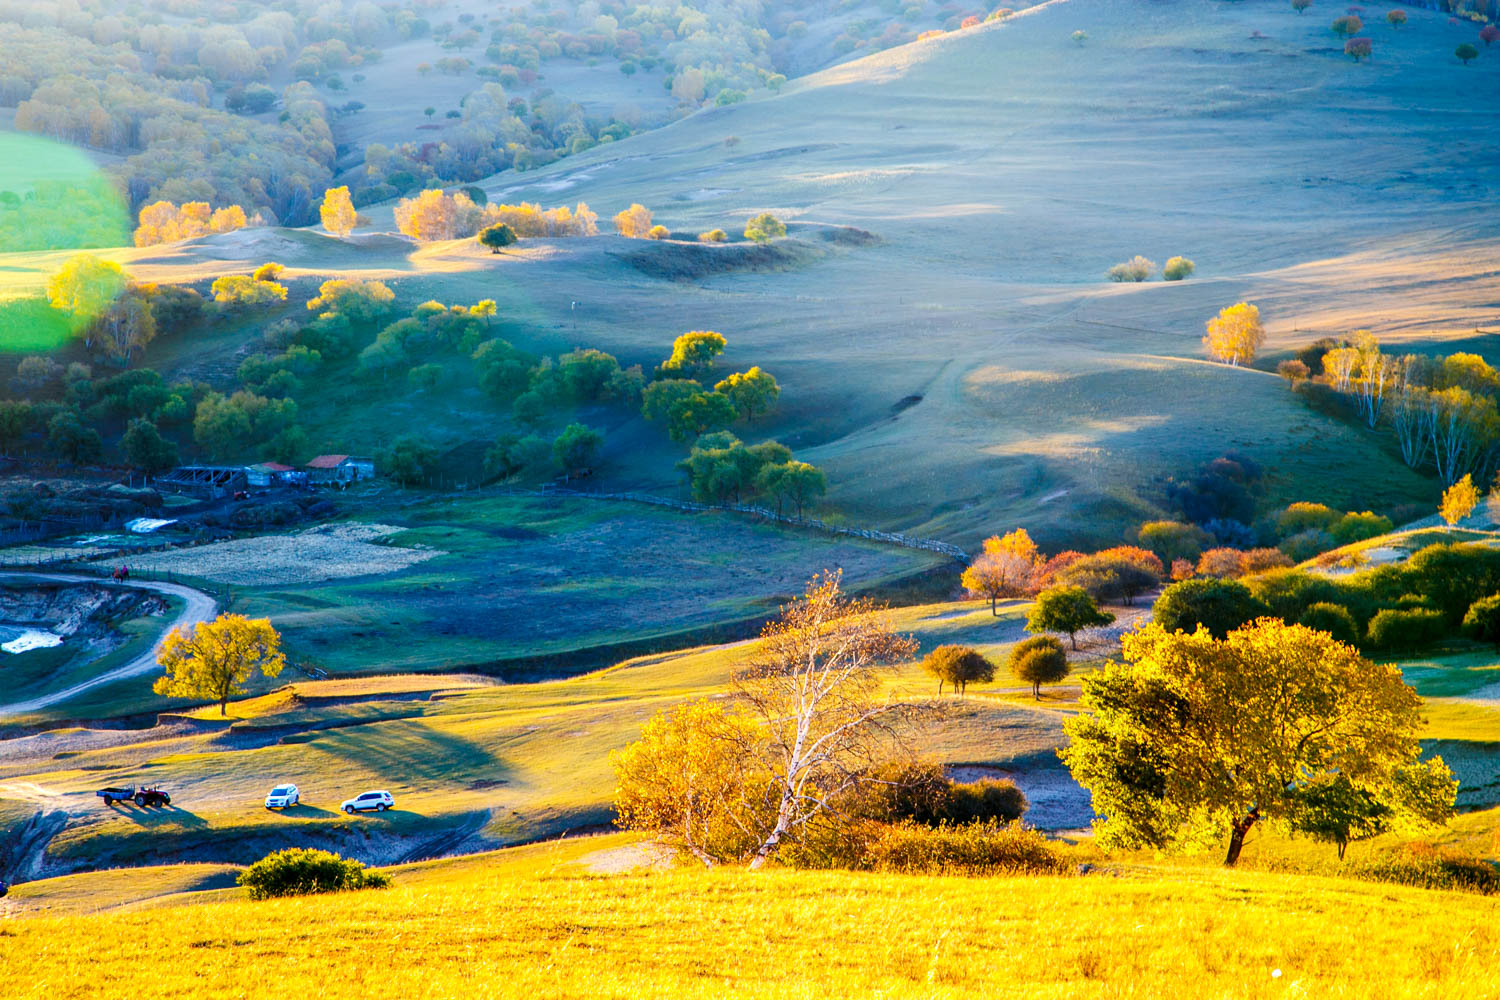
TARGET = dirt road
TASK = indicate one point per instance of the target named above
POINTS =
(197, 607)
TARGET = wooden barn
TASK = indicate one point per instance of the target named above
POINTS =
(339, 470)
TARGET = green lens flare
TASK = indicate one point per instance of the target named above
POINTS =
(53, 198)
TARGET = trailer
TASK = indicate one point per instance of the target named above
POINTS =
(146, 795)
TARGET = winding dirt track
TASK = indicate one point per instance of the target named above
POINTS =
(197, 607)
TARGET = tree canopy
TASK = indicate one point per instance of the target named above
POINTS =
(958, 665)
(1192, 740)
(213, 659)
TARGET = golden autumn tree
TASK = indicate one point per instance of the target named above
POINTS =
(85, 286)
(1459, 500)
(1235, 334)
(337, 211)
(1194, 740)
(434, 215)
(213, 659)
(634, 222)
(1007, 567)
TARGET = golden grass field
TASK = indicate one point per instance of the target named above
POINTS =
(545, 926)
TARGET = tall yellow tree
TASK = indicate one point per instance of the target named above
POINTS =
(1194, 740)
(213, 659)
(337, 210)
(634, 222)
(1235, 334)
(1459, 500)
(85, 286)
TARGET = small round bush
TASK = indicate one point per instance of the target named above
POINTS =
(713, 236)
(300, 871)
(658, 233)
(1137, 268)
(1177, 269)
(1334, 619)
(764, 228)
(983, 801)
(1406, 629)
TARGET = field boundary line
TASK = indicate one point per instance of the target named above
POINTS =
(764, 513)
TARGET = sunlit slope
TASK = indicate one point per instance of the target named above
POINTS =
(1006, 168)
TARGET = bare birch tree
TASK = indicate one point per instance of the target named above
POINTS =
(1410, 410)
(1376, 371)
(813, 686)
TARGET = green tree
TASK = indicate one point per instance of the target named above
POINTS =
(764, 228)
(213, 659)
(71, 441)
(15, 418)
(512, 455)
(1221, 606)
(1066, 609)
(577, 448)
(694, 353)
(698, 414)
(1335, 810)
(752, 392)
(1482, 620)
(793, 482)
(1194, 739)
(1466, 53)
(410, 460)
(1334, 619)
(497, 237)
(1038, 660)
(1173, 540)
(145, 448)
(658, 398)
(959, 666)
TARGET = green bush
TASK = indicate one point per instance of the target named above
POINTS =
(1405, 630)
(1427, 867)
(1137, 268)
(992, 799)
(300, 871)
(1482, 622)
(1334, 619)
(1221, 606)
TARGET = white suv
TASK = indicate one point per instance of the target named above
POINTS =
(378, 801)
(283, 797)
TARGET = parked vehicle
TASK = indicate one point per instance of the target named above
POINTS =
(146, 795)
(152, 795)
(283, 797)
(368, 802)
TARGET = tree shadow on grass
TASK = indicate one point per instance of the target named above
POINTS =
(154, 816)
(408, 752)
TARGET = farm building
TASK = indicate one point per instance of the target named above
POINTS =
(209, 482)
(339, 469)
(275, 474)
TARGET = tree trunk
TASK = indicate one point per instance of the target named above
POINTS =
(940, 687)
(224, 706)
(994, 602)
(783, 824)
(1036, 691)
(1073, 638)
(1237, 831)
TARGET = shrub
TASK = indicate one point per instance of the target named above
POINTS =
(1489, 34)
(1358, 48)
(713, 236)
(1482, 620)
(658, 233)
(1293, 371)
(1177, 269)
(1334, 619)
(764, 228)
(1221, 606)
(1356, 527)
(1427, 867)
(1466, 53)
(989, 800)
(1301, 5)
(1398, 629)
(1137, 268)
(300, 871)
(1301, 516)
(1173, 540)
(1395, 18)
(1306, 544)
(1347, 25)
(975, 849)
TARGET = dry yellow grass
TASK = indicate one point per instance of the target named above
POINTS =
(491, 932)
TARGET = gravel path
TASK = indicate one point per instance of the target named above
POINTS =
(197, 607)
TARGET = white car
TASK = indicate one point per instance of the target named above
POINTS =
(283, 797)
(367, 801)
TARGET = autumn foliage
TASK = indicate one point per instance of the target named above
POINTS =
(164, 222)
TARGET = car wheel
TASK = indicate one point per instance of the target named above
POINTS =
(349, 810)
(383, 807)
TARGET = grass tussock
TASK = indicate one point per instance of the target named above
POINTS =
(488, 932)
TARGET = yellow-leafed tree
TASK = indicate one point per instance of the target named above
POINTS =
(1006, 568)
(213, 659)
(634, 222)
(1235, 334)
(337, 210)
(1459, 500)
(85, 286)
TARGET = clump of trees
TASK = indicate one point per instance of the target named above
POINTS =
(1441, 411)
(764, 228)
(1235, 335)
(1009, 566)
(164, 222)
(259, 288)
(634, 222)
(959, 666)
(1137, 268)
(1178, 269)
(1193, 740)
(436, 214)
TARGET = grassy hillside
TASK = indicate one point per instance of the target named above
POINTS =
(487, 931)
